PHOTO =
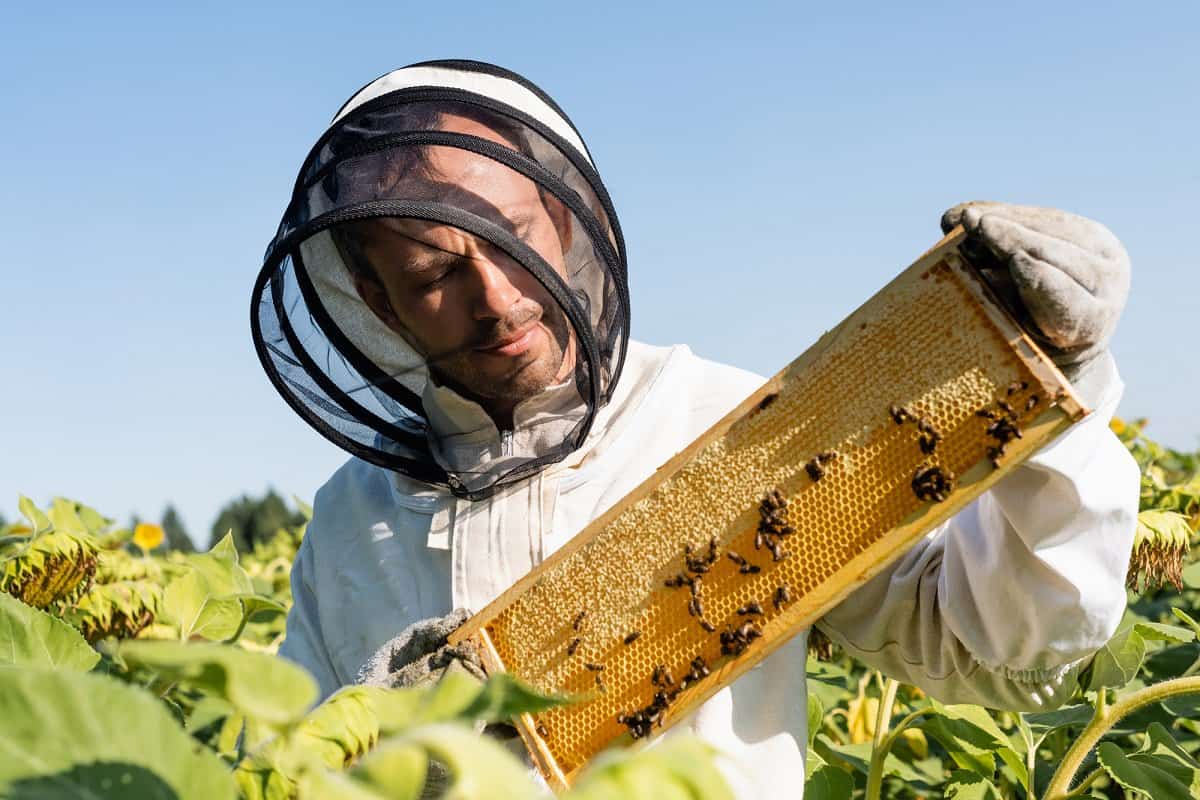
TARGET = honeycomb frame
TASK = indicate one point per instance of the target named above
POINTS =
(934, 341)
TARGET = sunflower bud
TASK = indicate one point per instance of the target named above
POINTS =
(1159, 548)
(52, 567)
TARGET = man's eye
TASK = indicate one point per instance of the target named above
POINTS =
(438, 279)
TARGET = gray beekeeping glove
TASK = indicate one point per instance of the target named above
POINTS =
(419, 655)
(1065, 277)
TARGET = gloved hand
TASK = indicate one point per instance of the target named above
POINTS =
(419, 655)
(1066, 278)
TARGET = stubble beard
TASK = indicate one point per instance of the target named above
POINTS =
(458, 370)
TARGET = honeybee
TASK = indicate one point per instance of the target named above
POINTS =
(753, 607)
(632, 636)
(573, 646)
(900, 414)
(749, 631)
(782, 595)
(579, 619)
(661, 676)
(777, 551)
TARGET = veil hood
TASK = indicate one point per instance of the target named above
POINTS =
(370, 390)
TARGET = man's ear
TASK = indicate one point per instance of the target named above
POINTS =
(376, 298)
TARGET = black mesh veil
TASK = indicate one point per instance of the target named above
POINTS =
(446, 295)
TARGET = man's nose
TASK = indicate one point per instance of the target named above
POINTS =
(497, 291)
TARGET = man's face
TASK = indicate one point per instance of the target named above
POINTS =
(486, 326)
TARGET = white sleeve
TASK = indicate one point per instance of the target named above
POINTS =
(1003, 604)
(303, 641)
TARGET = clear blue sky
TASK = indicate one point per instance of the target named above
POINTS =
(148, 153)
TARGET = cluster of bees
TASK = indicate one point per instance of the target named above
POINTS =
(641, 721)
(1004, 420)
(772, 525)
(934, 483)
(772, 528)
(930, 482)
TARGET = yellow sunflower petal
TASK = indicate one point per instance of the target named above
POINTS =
(148, 536)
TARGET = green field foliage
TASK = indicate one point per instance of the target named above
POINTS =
(132, 668)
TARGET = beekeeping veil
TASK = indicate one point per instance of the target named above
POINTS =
(374, 386)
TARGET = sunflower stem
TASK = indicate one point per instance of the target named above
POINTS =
(882, 742)
(1103, 720)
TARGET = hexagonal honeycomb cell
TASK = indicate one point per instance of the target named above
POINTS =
(933, 342)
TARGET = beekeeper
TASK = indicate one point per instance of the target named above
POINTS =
(447, 299)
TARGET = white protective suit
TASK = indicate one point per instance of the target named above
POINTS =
(1000, 606)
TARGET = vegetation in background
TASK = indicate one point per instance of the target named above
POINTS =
(177, 535)
(251, 521)
(130, 668)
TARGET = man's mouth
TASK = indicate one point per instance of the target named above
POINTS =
(513, 345)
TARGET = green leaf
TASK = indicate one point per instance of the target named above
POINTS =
(1191, 623)
(816, 713)
(971, 738)
(1117, 663)
(92, 519)
(448, 699)
(336, 733)
(322, 785)
(80, 735)
(64, 519)
(676, 767)
(479, 768)
(1164, 751)
(1191, 575)
(1156, 631)
(257, 607)
(858, 756)
(1036, 727)
(503, 697)
(1146, 774)
(222, 573)
(829, 783)
(39, 521)
(964, 785)
(264, 687)
(190, 604)
(33, 638)
(402, 769)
